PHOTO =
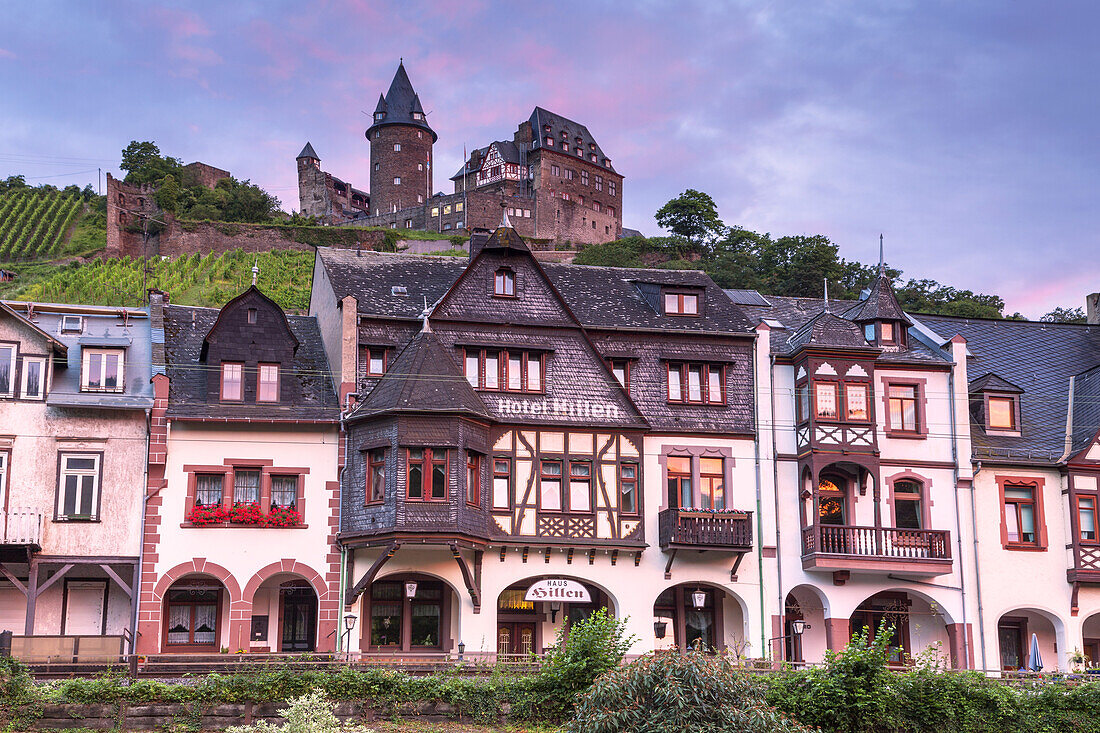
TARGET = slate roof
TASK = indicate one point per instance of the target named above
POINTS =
(747, 297)
(423, 378)
(881, 304)
(600, 297)
(795, 313)
(827, 329)
(1086, 408)
(185, 328)
(1037, 357)
(540, 118)
(990, 382)
(308, 152)
(399, 104)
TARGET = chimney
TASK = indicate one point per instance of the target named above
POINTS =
(478, 238)
(1092, 309)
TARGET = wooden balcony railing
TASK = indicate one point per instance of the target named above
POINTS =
(21, 527)
(877, 542)
(703, 529)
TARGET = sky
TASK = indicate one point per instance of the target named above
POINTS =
(964, 132)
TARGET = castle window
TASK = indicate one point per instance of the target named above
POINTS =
(566, 197)
(611, 187)
(607, 162)
(584, 177)
(420, 166)
(611, 210)
(504, 284)
(458, 206)
(268, 383)
(599, 183)
(420, 133)
(526, 213)
(417, 116)
(435, 211)
(569, 174)
(378, 166)
(378, 116)
(397, 180)
(419, 199)
(447, 209)
(550, 141)
(592, 157)
(231, 390)
(408, 223)
(596, 205)
(579, 152)
(447, 226)
(555, 171)
(565, 145)
(377, 134)
(397, 147)
(563, 134)
(511, 211)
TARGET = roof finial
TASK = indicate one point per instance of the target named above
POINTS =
(255, 271)
(826, 295)
(425, 327)
(881, 261)
(504, 213)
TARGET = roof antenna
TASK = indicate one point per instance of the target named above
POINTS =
(881, 262)
(826, 296)
(255, 271)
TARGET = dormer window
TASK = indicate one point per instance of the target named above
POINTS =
(376, 362)
(72, 324)
(267, 387)
(621, 369)
(34, 378)
(887, 329)
(418, 115)
(379, 116)
(681, 304)
(102, 370)
(232, 383)
(251, 315)
(504, 283)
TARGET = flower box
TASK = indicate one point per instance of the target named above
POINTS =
(243, 515)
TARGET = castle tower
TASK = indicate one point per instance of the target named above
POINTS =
(400, 149)
(313, 198)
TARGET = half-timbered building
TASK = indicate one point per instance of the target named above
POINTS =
(530, 442)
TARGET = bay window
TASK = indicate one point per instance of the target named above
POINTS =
(580, 486)
(426, 476)
(376, 476)
(1086, 518)
(856, 401)
(825, 400)
(473, 478)
(628, 486)
(502, 482)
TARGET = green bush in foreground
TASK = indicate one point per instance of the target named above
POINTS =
(310, 713)
(678, 693)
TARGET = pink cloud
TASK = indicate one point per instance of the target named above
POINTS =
(6, 54)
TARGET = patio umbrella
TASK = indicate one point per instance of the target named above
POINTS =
(1035, 659)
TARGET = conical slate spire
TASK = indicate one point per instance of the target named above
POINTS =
(308, 152)
(881, 304)
(401, 105)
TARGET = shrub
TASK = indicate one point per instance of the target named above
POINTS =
(310, 713)
(668, 692)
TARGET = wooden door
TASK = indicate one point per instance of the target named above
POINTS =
(299, 623)
(85, 607)
(516, 638)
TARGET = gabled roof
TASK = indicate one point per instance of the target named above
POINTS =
(880, 305)
(308, 152)
(509, 152)
(505, 237)
(399, 104)
(423, 378)
(990, 382)
(541, 118)
(54, 342)
(825, 330)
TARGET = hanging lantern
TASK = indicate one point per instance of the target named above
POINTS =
(410, 589)
(698, 598)
(798, 627)
(659, 629)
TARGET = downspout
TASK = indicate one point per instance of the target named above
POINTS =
(958, 513)
(135, 590)
(977, 564)
(759, 501)
(340, 518)
(775, 491)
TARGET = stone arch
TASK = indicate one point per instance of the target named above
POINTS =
(614, 604)
(287, 566)
(198, 566)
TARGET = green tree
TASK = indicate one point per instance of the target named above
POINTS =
(143, 163)
(1064, 315)
(693, 216)
(13, 183)
(168, 193)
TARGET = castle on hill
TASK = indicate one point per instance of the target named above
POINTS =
(552, 178)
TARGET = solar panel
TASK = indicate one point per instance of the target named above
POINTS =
(747, 297)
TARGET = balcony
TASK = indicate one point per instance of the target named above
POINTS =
(876, 549)
(21, 527)
(705, 530)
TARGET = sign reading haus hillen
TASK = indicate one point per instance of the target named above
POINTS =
(558, 589)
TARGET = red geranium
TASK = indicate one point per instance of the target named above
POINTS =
(203, 515)
(246, 514)
(283, 516)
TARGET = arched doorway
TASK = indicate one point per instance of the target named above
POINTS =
(1014, 631)
(284, 614)
(698, 616)
(196, 612)
(1090, 640)
(914, 624)
(804, 604)
(408, 612)
(527, 626)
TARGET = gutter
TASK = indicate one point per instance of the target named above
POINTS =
(759, 505)
(340, 519)
(977, 564)
(775, 493)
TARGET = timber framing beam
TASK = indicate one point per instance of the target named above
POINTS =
(366, 580)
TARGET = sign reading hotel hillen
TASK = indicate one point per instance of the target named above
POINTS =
(557, 407)
(558, 589)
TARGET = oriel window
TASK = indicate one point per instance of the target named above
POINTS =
(628, 486)
(427, 474)
(1086, 518)
(580, 486)
(825, 394)
(550, 486)
(856, 395)
(376, 476)
(473, 478)
(502, 474)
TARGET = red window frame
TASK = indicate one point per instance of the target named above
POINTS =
(1016, 504)
(376, 467)
(504, 283)
(866, 401)
(628, 486)
(239, 382)
(680, 300)
(381, 354)
(620, 365)
(1080, 530)
(890, 399)
(428, 462)
(835, 386)
(473, 479)
(502, 471)
(504, 370)
(260, 383)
